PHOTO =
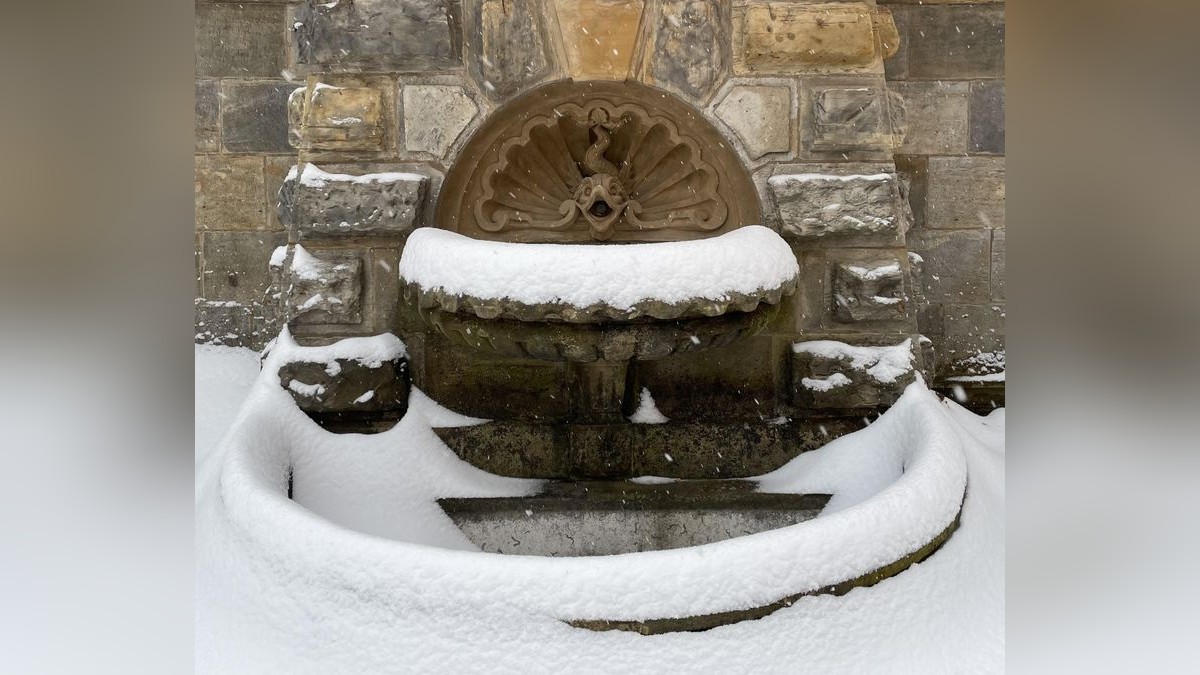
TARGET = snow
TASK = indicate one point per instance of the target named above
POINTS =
(820, 177)
(874, 273)
(825, 383)
(885, 364)
(313, 176)
(987, 377)
(361, 572)
(371, 352)
(647, 413)
(746, 260)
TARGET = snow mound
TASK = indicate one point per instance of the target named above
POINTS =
(885, 364)
(647, 412)
(747, 260)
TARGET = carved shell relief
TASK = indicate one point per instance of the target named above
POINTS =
(597, 162)
(604, 167)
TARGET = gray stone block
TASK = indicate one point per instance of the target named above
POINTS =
(896, 68)
(828, 374)
(689, 49)
(316, 204)
(379, 35)
(957, 264)
(255, 116)
(965, 192)
(239, 40)
(321, 286)
(820, 205)
(208, 132)
(974, 340)
(509, 44)
(229, 193)
(847, 118)
(235, 265)
(233, 324)
(761, 116)
(955, 42)
(435, 116)
(987, 116)
(347, 385)
(868, 291)
(998, 264)
(936, 117)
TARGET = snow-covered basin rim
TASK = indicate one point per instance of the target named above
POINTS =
(749, 260)
(735, 574)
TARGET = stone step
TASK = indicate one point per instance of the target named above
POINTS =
(584, 518)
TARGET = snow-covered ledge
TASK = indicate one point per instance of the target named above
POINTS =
(588, 283)
(362, 534)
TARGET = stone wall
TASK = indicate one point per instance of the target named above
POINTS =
(950, 73)
(868, 138)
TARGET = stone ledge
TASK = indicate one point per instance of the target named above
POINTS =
(316, 204)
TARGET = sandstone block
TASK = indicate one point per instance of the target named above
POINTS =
(959, 42)
(936, 116)
(234, 324)
(965, 192)
(208, 126)
(827, 374)
(987, 116)
(785, 37)
(255, 116)
(229, 193)
(346, 118)
(378, 35)
(435, 116)
(998, 264)
(957, 264)
(235, 265)
(761, 116)
(319, 286)
(510, 43)
(599, 36)
(318, 204)
(974, 340)
(239, 40)
(848, 118)
(823, 205)
(689, 48)
(347, 385)
(868, 291)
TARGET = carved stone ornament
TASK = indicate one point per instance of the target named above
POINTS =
(593, 161)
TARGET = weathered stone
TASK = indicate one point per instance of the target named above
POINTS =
(965, 192)
(379, 35)
(347, 385)
(234, 324)
(275, 172)
(239, 40)
(320, 286)
(235, 265)
(511, 44)
(956, 263)
(599, 36)
(317, 204)
(689, 48)
(208, 124)
(761, 116)
(827, 374)
(343, 117)
(987, 116)
(896, 67)
(254, 117)
(869, 291)
(785, 37)
(735, 382)
(936, 114)
(435, 116)
(998, 264)
(229, 193)
(974, 340)
(819, 205)
(955, 42)
(847, 118)
(480, 385)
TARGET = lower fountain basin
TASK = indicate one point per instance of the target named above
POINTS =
(611, 517)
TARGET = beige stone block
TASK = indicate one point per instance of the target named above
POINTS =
(965, 192)
(343, 118)
(599, 36)
(435, 116)
(761, 116)
(229, 193)
(782, 37)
